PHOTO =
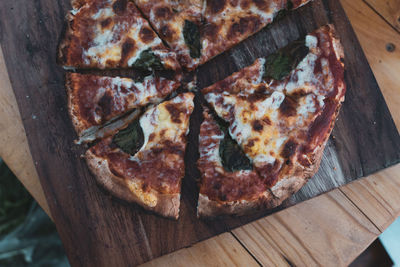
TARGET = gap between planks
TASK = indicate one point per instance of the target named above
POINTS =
(309, 235)
(389, 10)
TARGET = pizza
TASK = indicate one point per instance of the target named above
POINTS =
(96, 101)
(279, 112)
(265, 127)
(144, 163)
(198, 30)
(106, 34)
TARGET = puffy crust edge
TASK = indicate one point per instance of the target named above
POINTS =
(167, 204)
(79, 126)
(208, 208)
(272, 198)
(63, 52)
(286, 187)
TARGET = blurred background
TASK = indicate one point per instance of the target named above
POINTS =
(27, 235)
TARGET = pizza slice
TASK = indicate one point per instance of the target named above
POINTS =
(144, 163)
(177, 23)
(229, 183)
(281, 110)
(110, 34)
(227, 23)
(97, 105)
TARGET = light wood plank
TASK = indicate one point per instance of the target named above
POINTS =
(377, 196)
(389, 9)
(328, 231)
(222, 250)
(374, 34)
(13, 142)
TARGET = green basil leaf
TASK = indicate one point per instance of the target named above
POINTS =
(191, 34)
(130, 139)
(232, 156)
(148, 60)
(281, 63)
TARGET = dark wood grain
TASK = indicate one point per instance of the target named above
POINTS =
(98, 230)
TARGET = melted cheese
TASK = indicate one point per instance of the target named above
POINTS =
(106, 48)
(266, 143)
(158, 121)
(229, 17)
(181, 11)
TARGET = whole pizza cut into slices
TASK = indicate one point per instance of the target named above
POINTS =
(95, 101)
(198, 30)
(144, 163)
(109, 34)
(280, 111)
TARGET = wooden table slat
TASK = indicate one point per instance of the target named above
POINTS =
(379, 201)
(221, 250)
(309, 235)
(389, 9)
(374, 34)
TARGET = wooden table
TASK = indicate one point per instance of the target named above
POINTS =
(332, 229)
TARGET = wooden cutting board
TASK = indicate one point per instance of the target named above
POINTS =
(99, 230)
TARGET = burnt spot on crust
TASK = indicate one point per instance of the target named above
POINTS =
(127, 48)
(245, 4)
(244, 25)
(146, 187)
(256, 96)
(119, 6)
(174, 112)
(167, 32)
(163, 13)
(106, 23)
(162, 133)
(289, 149)
(106, 103)
(111, 63)
(216, 185)
(257, 125)
(216, 6)
(151, 137)
(304, 159)
(288, 107)
(210, 30)
(146, 35)
(251, 143)
(261, 4)
(270, 172)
